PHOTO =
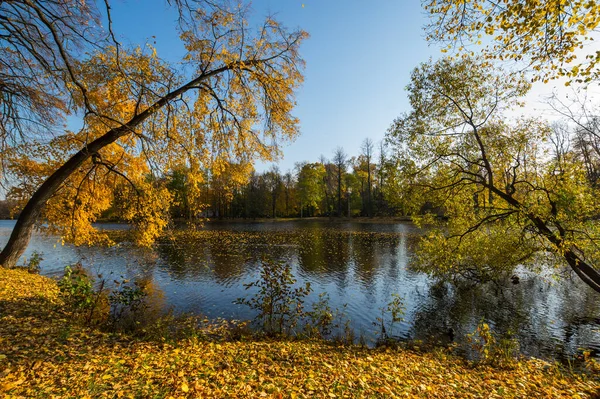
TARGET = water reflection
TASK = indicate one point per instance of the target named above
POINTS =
(360, 265)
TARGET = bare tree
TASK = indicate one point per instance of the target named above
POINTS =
(339, 160)
(367, 150)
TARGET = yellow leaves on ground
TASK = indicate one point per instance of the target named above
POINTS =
(42, 355)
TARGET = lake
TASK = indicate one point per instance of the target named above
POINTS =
(359, 265)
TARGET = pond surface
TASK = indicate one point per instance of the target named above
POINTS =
(359, 265)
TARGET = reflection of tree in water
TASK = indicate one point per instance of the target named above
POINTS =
(579, 313)
(450, 313)
(184, 257)
(222, 255)
(366, 256)
(311, 254)
(337, 253)
(367, 266)
(154, 301)
(544, 322)
(324, 253)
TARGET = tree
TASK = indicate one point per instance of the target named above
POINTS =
(339, 160)
(543, 33)
(507, 202)
(367, 151)
(140, 113)
(310, 181)
(289, 186)
(274, 181)
(39, 41)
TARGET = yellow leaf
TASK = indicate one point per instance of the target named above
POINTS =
(184, 387)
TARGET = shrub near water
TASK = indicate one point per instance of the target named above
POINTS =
(279, 304)
(81, 300)
(130, 306)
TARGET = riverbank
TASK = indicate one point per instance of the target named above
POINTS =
(42, 354)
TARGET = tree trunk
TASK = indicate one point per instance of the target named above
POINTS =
(585, 271)
(369, 196)
(339, 204)
(19, 238)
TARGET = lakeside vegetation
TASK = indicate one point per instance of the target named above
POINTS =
(164, 139)
(44, 353)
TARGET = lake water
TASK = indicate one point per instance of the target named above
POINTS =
(359, 265)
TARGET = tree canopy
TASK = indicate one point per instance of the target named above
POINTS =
(544, 34)
(497, 182)
(228, 101)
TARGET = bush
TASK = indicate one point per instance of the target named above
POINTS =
(395, 309)
(127, 304)
(81, 300)
(280, 305)
(489, 349)
(33, 266)
(320, 318)
(127, 307)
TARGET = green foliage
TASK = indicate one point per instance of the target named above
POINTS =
(128, 307)
(391, 314)
(279, 304)
(80, 298)
(320, 318)
(448, 254)
(33, 266)
(506, 200)
(127, 304)
(310, 186)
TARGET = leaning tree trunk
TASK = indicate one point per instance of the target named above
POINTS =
(19, 238)
(21, 233)
(586, 272)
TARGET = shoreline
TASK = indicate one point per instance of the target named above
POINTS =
(44, 353)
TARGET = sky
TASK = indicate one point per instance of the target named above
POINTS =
(358, 62)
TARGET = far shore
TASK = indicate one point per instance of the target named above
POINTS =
(326, 219)
(333, 219)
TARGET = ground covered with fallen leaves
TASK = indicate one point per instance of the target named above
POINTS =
(43, 354)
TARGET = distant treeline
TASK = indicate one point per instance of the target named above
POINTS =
(344, 186)
(340, 186)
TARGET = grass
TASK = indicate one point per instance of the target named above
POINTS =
(44, 354)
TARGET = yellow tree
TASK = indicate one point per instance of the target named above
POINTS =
(544, 34)
(143, 116)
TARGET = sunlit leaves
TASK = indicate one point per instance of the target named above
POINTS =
(236, 107)
(546, 34)
(494, 180)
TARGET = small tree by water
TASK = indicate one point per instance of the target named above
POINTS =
(279, 303)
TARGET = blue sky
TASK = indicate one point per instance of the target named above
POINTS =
(358, 61)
